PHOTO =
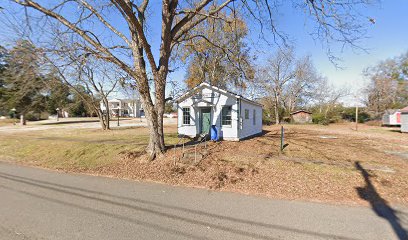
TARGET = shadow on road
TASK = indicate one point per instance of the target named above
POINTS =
(184, 214)
(380, 205)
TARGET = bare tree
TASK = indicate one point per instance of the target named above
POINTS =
(387, 86)
(131, 49)
(300, 90)
(326, 97)
(96, 77)
(274, 76)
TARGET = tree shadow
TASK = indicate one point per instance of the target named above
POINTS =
(378, 204)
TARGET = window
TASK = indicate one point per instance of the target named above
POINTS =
(226, 116)
(186, 116)
(254, 118)
(246, 114)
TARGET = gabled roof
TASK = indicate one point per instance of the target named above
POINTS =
(404, 110)
(298, 111)
(392, 111)
(204, 84)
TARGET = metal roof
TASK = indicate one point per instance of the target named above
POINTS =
(298, 111)
(187, 94)
(392, 111)
(404, 110)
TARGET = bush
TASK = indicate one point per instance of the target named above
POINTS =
(266, 121)
(319, 118)
(349, 114)
(31, 117)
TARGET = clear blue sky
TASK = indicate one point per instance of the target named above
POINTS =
(388, 37)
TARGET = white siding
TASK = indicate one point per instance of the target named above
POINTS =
(133, 107)
(216, 103)
(248, 128)
(216, 100)
(404, 122)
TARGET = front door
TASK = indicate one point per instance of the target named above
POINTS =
(205, 120)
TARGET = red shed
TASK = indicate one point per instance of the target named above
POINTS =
(301, 116)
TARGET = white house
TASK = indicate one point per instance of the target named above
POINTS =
(124, 107)
(234, 116)
(404, 120)
(391, 117)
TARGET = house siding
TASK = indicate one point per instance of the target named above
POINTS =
(132, 107)
(216, 100)
(302, 117)
(248, 128)
(404, 122)
(216, 104)
(392, 119)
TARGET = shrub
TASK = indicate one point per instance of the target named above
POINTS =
(319, 118)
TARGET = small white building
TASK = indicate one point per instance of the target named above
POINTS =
(391, 117)
(234, 116)
(404, 120)
(124, 107)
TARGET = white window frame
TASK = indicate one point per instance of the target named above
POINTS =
(185, 117)
(222, 116)
(246, 114)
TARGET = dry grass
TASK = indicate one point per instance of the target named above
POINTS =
(7, 122)
(74, 149)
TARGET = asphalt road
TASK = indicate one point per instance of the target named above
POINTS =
(42, 204)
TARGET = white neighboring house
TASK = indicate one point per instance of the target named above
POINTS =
(404, 120)
(391, 117)
(124, 107)
(234, 116)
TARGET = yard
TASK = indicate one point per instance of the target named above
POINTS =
(321, 163)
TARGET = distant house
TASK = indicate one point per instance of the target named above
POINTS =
(301, 116)
(404, 120)
(204, 106)
(391, 117)
(124, 107)
(170, 115)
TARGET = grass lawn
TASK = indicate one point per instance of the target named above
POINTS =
(321, 163)
(5, 122)
(75, 149)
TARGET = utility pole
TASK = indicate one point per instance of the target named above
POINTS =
(356, 117)
(118, 116)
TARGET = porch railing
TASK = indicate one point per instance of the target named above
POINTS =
(181, 137)
(202, 141)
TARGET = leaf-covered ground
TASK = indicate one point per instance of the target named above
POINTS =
(321, 163)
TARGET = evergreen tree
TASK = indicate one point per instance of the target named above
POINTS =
(25, 87)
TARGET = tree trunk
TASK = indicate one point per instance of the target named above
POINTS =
(101, 120)
(107, 119)
(276, 110)
(106, 116)
(22, 120)
(156, 145)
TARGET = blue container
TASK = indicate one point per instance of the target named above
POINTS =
(214, 133)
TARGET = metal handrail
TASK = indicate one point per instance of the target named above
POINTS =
(181, 137)
(195, 148)
(204, 139)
